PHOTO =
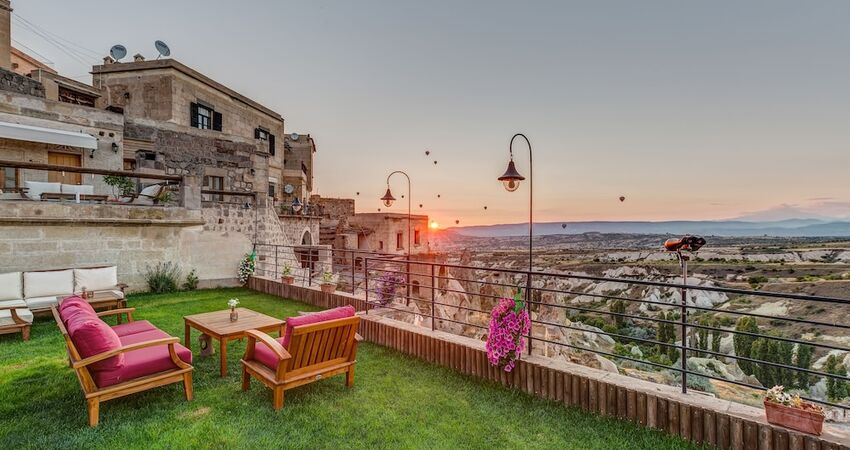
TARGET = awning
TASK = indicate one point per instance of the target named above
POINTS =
(46, 135)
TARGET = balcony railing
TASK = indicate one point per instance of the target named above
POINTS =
(427, 283)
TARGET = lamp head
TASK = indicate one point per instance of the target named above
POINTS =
(388, 198)
(511, 177)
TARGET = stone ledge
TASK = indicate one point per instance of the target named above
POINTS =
(98, 221)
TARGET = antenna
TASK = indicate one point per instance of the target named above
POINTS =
(117, 52)
(162, 48)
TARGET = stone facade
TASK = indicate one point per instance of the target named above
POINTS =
(298, 163)
(12, 82)
(389, 233)
(5, 35)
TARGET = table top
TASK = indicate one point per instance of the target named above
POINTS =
(218, 322)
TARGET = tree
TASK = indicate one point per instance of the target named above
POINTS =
(618, 307)
(743, 343)
(835, 389)
(772, 351)
(666, 333)
(804, 361)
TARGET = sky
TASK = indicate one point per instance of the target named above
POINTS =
(691, 110)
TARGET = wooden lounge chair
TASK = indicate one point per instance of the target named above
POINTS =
(314, 347)
(111, 362)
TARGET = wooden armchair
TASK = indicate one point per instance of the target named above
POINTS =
(19, 319)
(151, 359)
(315, 351)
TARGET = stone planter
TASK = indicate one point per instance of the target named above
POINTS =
(794, 418)
(328, 288)
(287, 279)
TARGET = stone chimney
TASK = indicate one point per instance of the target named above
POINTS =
(108, 60)
(138, 57)
(5, 34)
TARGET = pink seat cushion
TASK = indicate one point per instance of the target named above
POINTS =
(142, 362)
(139, 326)
(265, 356)
(321, 316)
(92, 336)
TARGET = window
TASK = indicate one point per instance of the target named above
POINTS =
(9, 178)
(380, 245)
(149, 156)
(130, 165)
(264, 135)
(204, 117)
(416, 237)
(272, 190)
(214, 184)
(399, 241)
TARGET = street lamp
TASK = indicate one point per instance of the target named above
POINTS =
(388, 200)
(511, 180)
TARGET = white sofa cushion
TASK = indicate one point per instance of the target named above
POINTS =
(77, 188)
(43, 284)
(95, 279)
(10, 286)
(36, 188)
(22, 312)
(36, 303)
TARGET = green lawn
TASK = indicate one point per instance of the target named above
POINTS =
(397, 401)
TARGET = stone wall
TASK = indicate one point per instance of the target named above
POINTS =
(334, 208)
(19, 84)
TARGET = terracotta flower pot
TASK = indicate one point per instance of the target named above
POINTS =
(328, 288)
(287, 279)
(794, 418)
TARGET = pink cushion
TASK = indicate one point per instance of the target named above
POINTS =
(139, 326)
(265, 356)
(74, 301)
(321, 316)
(92, 336)
(142, 362)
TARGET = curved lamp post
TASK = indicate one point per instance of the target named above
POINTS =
(511, 180)
(388, 200)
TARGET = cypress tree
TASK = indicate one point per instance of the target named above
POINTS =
(744, 344)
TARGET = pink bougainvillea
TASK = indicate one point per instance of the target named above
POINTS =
(509, 322)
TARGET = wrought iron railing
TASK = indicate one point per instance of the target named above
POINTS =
(427, 283)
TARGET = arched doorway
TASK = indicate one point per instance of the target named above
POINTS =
(306, 238)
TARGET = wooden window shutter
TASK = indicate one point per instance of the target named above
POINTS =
(193, 115)
(271, 144)
(256, 133)
(216, 121)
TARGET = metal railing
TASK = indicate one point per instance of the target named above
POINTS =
(429, 284)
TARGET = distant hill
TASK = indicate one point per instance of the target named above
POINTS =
(780, 228)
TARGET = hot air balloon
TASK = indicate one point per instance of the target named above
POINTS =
(485, 207)
(435, 162)
(420, 205)
(427, 152)
(438, 195)
(379, 209)
(564, 226)
(622, 198)
(358, 193)
(457, 222)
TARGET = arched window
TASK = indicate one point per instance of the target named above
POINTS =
(306, 238)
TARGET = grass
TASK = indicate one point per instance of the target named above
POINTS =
(397, 401)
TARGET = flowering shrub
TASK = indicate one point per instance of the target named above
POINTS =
(388, 285)
(505, 342)
(246, 268)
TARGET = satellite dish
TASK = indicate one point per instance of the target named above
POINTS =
(288, 189)
(294, 136)
(162, 48)
(118, 51)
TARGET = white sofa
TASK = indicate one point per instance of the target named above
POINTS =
(36, 188)
(39, 290)
(14, 314)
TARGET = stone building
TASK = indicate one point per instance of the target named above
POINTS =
(298, 167)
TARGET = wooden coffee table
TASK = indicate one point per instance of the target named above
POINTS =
(217, 325)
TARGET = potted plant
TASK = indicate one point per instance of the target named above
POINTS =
(286, 276)
(790, 411)
(328, 284)
(121, 186)
(509, 324)
(234, 315)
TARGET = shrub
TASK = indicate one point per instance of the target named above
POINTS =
(164, 277)
(246, 268)
(191, 282)
(120, 184)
